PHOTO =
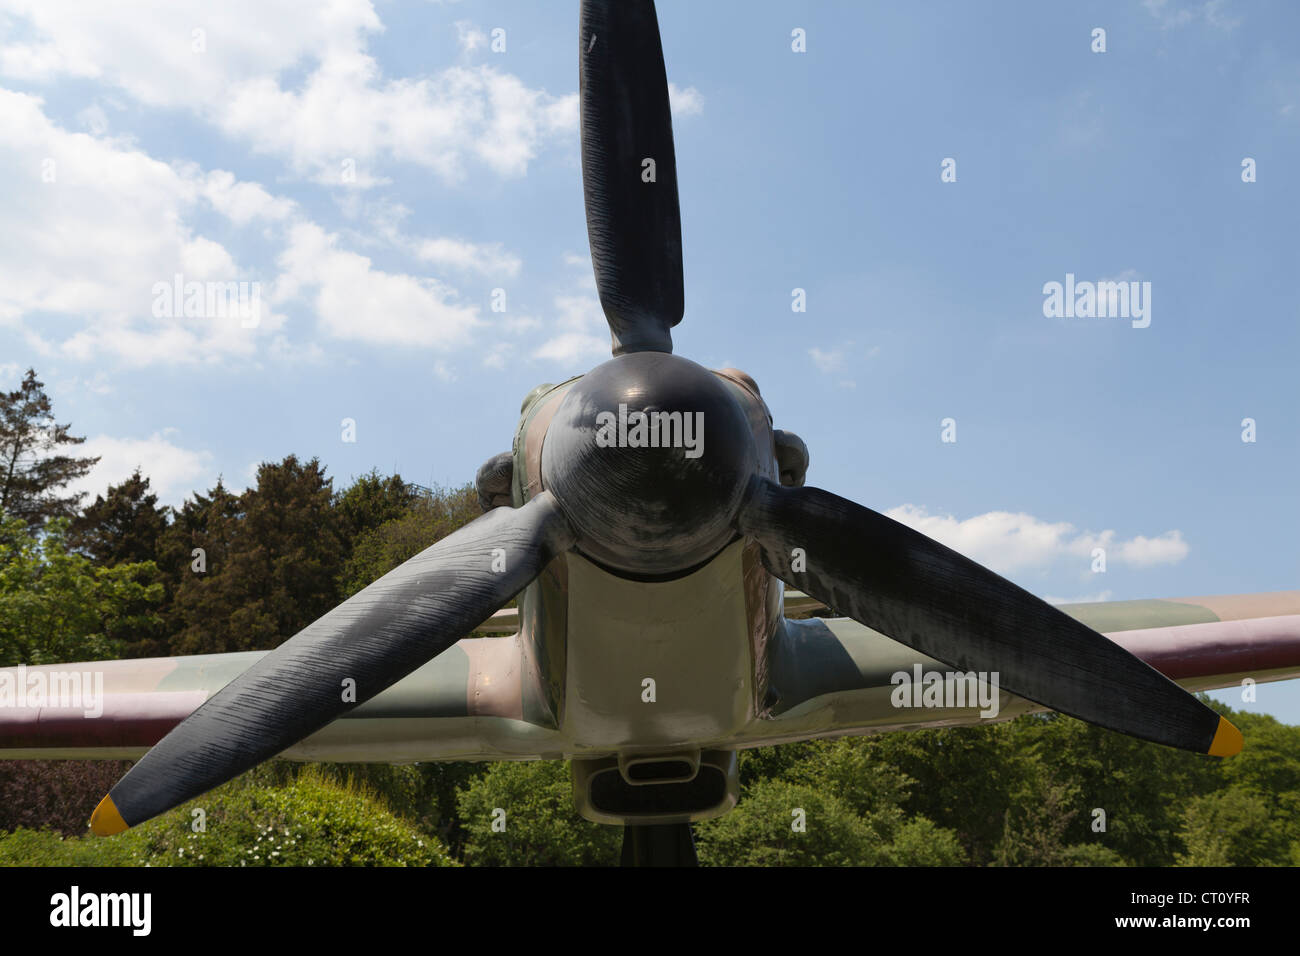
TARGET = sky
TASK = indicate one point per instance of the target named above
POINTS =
(388, 176)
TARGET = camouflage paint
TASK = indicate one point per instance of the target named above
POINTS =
(830, 677)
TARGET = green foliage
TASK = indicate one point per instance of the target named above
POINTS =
(1142, 787)
(963, 778)
(430, 519)
(272, 556)
(1091, 854)
(541, 826)
(869, 790)
(424, 793)
(309, 821)
(25, 847)
(920, 842)
(761, 831)
(57, 606)
(122, 527)
(371, 501)
(1269, 767)
(1035, 823)
(1233, 827)
(126, 527)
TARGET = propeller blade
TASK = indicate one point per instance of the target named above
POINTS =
(918, 592)
(633, 221)
(374, 639)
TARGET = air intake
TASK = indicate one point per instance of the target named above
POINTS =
(662, 788)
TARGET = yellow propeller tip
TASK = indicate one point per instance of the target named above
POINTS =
(106, 821)
(1227, 740)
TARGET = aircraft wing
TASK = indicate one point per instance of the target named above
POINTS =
(467, 703)
(832, 677)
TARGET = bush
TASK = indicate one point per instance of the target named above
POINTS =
(542, 828)
(310, 821)
(760, 831)
(920, 842)
(1233, 828)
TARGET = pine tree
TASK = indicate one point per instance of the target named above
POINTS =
(31, 473)
(272, 559)
(123, 527)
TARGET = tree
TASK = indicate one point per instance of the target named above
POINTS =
(521, 814)
(965, 779)
(30, 473)
(785, 824)
(55, 606)
(127, 527)
(1140, 787)
(873, 789)
(1233, 828)
(373, 500)
(429, 520)
(122, 528)
(271, 561)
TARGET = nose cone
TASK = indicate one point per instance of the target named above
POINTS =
(649, 455)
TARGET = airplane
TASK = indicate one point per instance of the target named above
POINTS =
(649, 517)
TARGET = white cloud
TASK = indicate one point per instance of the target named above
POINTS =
(242, 202)
(340, 109)
(519, 323)
(354, 301)
(498, 354)
(1173, 13)
(684, 102)
(582, 332)
(469, 37)
(113, 226)
(173, 471)
(149, 48)
(1008, 542)
(1142, 552)
(92, 225)
(828, 361)
(835, 362)
(489, 259)
(344, 111)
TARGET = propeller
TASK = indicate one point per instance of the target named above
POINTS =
(366, 644)
(653, 511)
(629, 173)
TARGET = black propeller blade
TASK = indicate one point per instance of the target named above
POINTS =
(922, 594)
(373, 639)
(629, 173)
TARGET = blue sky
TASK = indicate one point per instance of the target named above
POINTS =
(379, 170)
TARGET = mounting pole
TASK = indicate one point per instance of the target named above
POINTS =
(665, 844)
